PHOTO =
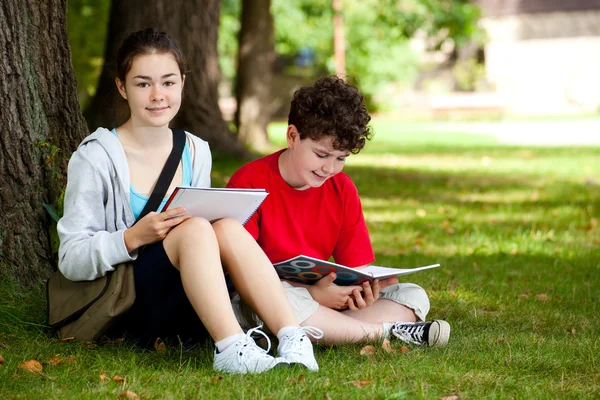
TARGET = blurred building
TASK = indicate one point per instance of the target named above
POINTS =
(543, 56)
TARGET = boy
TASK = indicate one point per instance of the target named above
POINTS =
(314, 209)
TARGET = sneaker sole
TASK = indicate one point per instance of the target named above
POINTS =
(439, 333)
(303, 366)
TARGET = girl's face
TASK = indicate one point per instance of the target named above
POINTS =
(153, 88)
(313, 162)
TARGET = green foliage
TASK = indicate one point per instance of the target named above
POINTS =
(228, 37)
(377, 34)
(87, 23)
(516, 232)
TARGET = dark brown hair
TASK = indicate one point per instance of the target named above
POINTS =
(331, 107)
(146, 41)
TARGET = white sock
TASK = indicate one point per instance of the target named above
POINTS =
(228, 341)
(285, 330)
(387, 327)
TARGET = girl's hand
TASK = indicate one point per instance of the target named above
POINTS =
(330, 295)
(154, 227)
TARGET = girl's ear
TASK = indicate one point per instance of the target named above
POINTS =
(292, 136)
(182, 80)
(121, 88)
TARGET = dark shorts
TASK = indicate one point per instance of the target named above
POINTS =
(161, 308)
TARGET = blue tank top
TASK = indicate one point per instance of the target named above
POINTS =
(138, 201)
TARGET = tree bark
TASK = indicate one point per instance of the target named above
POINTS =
(193, 25)
(255, 72)
(41, 124)
(339, 44)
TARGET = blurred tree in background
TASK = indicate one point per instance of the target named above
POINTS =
(378, 37)
(87, 26)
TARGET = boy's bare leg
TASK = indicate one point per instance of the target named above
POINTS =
(193, 249)
(383, 310)
(253, 275)
(339, 328)
(358, 326)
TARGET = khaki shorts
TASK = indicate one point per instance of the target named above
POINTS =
(408, 294)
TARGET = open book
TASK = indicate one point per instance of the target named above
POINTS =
(308, 270)
(217, 203)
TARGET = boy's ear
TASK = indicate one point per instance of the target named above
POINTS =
(292, 135)
(121, 88)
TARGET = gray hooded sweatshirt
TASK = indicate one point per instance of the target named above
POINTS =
(96, 207)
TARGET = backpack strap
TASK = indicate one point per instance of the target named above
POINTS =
(167, 174)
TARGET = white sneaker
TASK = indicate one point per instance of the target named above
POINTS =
(432, 333)
(296, 347)
(245, 356)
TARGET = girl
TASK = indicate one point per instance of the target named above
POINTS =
(179, 260)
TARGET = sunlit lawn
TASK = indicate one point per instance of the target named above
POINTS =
(516, 231)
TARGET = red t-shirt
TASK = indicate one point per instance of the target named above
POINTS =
(317, 222)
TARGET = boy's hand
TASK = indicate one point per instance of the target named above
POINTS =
(330, 295)
(154, 227)
(370, 293)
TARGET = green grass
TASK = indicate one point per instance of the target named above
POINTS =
(515, 229)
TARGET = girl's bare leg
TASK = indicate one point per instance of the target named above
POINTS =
(253, 275)
(193, 249)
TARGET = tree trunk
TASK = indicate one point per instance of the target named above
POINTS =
(193, 25)
(41, 124)
(255, 71)
(339, 44)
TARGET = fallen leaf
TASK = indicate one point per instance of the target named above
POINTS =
(31, 366)
(542, 297)
(450, 231)
(296, 380)
(507, 362)
(361, 383)
(214, 379)
(442, 209)
(160, 346)
(451, 397)
(367, 351)
(524, 295)
(387, 346)
(103, 378)
(500, 341)
(1, 359)
(128, 394)
(90, 345)
(404, 349)
(573, 331)
(453, 293)
(418, 242)
(118, 379)
(66, 340)
(421, 213)
(55, 360)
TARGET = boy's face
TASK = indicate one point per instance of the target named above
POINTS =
(313, 162)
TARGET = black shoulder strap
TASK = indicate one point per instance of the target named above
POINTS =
(167, 174)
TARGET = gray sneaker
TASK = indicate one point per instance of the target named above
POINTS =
(296, 347)
(245, 356)
(431, 333)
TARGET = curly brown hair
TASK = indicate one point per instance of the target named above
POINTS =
(331, 107)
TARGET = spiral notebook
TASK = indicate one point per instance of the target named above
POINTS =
(217, 203)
